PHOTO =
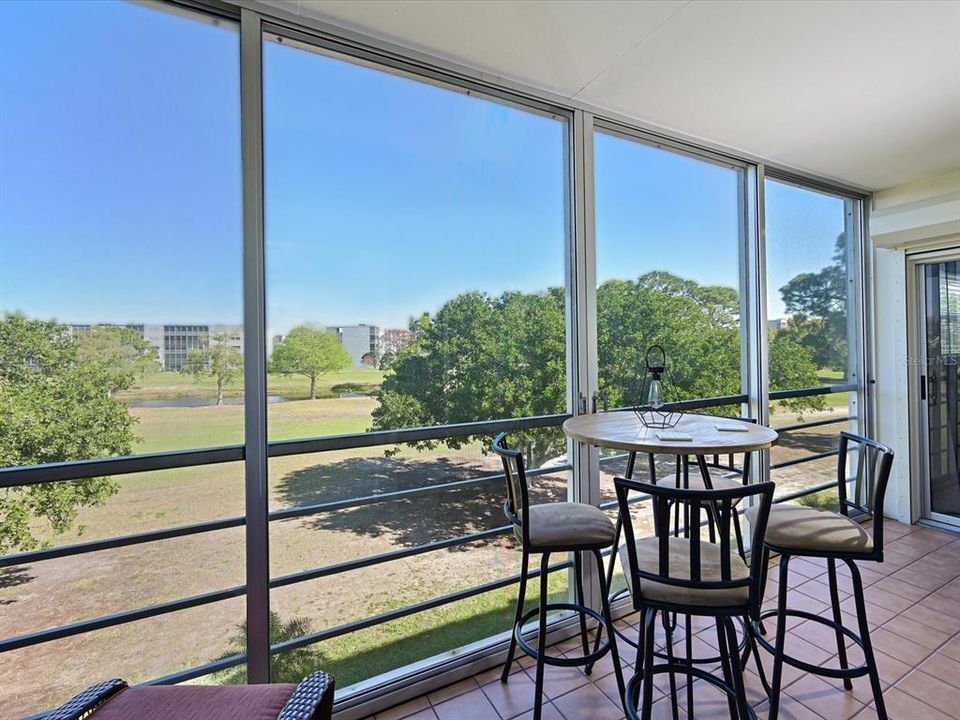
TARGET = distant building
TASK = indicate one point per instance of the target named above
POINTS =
(274, 341)
(393, 340)
(174, 342)
(779, 323)
(361, 341)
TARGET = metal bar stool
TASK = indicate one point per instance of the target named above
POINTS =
(798, 531)
(690, 576)
(548, 528)
(730, 476)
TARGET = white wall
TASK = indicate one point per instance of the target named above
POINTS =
(908, 218)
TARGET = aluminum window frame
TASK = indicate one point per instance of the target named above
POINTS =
(255, 19)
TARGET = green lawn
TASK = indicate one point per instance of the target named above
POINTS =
(379, 649)
(165, 498)
(173, 385)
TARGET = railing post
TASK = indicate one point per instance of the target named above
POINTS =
(254, 352)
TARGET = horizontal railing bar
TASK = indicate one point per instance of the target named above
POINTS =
(356, 625)
(614, 458)
(370, 560)
(226, 523)
(80, 469)
(804, 459)
(60, 632)
(808, 392)
(393, 495)
(199, 671)
(84, 626)
(815, 423)
(695, 404)
(120, 541)
(283, 448)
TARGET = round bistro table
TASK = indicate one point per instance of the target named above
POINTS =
(623, 430)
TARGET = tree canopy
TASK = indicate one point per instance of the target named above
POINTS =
(218, 359)
(310, 351)
(54, 407)
(121, 352)
(483, 357)
(818, 303)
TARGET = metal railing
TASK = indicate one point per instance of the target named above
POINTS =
(67, 471)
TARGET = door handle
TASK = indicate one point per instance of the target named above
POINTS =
(923, 387)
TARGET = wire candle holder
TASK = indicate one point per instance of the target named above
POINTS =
(653, 413)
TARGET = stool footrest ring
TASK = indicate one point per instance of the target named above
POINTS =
(840, 673)
(588, 659)
(633, 686)
(742, 645)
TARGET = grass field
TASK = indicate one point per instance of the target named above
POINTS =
(66, 590)
(172, 385)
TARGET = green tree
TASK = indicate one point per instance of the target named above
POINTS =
(483, 357)
(290, 666)
(309, 351)
(215, 358)
(697, 325)
(53, 408)
(818, 303)
(121, 352)
(792, 366)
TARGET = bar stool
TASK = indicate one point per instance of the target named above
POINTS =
(729, 476)
(798, 531)
(690, 576)
(726, 475)
(548, 528)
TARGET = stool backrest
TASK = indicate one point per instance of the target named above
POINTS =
(722, 503)
(873, 463)
(517, 504)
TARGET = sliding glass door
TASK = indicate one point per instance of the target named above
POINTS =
(940, 389)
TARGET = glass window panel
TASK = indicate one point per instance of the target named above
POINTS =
(668, 270)
(668, 239)
(415, 239)
(120, 297)
(812, 301)
(120, 220)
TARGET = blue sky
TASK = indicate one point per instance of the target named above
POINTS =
(120, 184)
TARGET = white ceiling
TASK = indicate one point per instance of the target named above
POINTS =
(863, 92)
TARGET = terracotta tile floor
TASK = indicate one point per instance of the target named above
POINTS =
(913, 606)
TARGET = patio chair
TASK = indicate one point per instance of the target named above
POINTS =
(113, 699)
(690, 576)
(798, 531)
(556, 527)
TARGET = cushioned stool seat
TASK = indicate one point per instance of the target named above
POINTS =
(796, 527)
(569, 525)
(648, 559)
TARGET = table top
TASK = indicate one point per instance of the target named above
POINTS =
(622, 430)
